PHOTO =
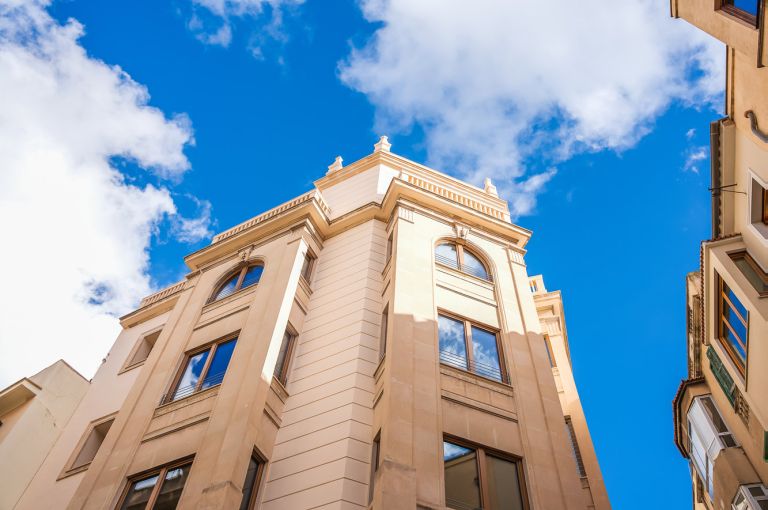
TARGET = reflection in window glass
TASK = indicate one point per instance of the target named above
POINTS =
(139, 493)
(485, 353)
(447, 254)
(251, 485)
(252, 275)
(462, 488)
(219, 364)
(191, 375)
(170, 491)
(473, 266)
(503, 484)
(749, 6)
(453, 350)
(229, 287)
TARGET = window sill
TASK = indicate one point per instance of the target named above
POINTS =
(73, 471)
(474, 377)
(173, 405)
(128, 368)
(227, 299)
(470, 277)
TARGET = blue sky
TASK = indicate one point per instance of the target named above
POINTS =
(597, 135)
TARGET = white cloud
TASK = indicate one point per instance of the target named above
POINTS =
(693, 157)
(212, 21)
(492, 83)
(75, 232)
(690, 133)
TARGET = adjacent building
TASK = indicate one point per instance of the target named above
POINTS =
(33, 412)
(721, 409)
(375, 343)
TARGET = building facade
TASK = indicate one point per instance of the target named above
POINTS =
(721, 409)
(33, 413)
(373, 343)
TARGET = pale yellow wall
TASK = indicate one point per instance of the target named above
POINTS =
(32, 429)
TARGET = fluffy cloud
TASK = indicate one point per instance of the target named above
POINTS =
(493, 83)
(212, 20)
(75, 231)
(694, 156)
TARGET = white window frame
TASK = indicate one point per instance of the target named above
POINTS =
(748, 500)
(758, 228)
(705, 440)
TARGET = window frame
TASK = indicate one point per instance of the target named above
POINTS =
(765, 206)
(747, 496)
(308, 266)
(375, 464)
(261, 460)
(69, 467)
(550, 351)
(130, 362)
(161, 472)
(482, 469)
(722, 323)
(240, 270)
(468, 323)
(718, 440)
(383, 331)
(173, 388)
(728, 7)
(580, 467)
(281, 372)
(460, 247)
(758, 271)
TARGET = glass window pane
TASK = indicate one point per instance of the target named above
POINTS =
(473, 266)
(228, 288)
(252, 276)
(251, 483)
(170, 491)
(749, 6)
(191, 375)
(486, 354)
(736, 344)
(139, 494)
(453, 349)
(462, 483)
(280, 366)
(503, 484)
(736, 303)
(734, 321)
(446, 254)
(714, 414)
(219, 364)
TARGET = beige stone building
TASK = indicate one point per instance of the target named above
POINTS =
(721, 409)
(373, 343)
(33, 412)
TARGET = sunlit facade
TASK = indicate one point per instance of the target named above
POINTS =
(721, 409)
(375, 343)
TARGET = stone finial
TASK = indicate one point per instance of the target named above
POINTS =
(382, 145)
(490, 188)
(336, 166)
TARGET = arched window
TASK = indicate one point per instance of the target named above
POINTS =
(458, 257)
(244, 277)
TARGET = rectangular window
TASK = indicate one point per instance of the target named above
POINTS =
(575, 447)
(550, 352)
(732, 325)
(708, 434)
(746, 10)
(202, 369)
(383, 332)
(476, 478)
(253, 478)
(751, 497)
(89, 447)
(284, 357)
(308, 266)
(142, 349)
(375, 454)
(765, 206)
(389, 248)
(157, 490)
(470, 347)
(751, 271)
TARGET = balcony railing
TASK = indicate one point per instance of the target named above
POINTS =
(464, 268)
(185, 391)
(488, 371)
